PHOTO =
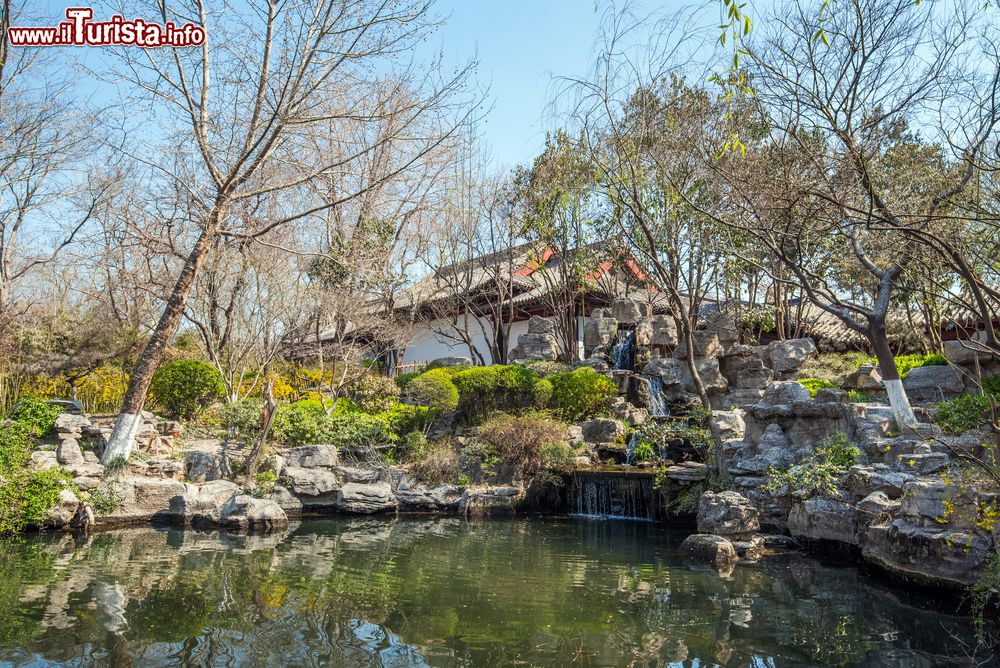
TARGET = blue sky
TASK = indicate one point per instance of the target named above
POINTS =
(521, 45)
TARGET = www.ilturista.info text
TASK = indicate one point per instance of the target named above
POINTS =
(79, 30)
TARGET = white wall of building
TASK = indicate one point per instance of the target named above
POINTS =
(425, 345)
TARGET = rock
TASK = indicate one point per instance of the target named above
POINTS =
(91, 457)
(922, 464)
(831, 395)
(722, 325)
(158, 467)
(931, 555)
(200, 503)
(708, 371)
(147, 499)
(490, 501)
(862, 481)
(936, 503)
(656, 330)
(706, 344)
(750, 549)
(727, 514)
(160, 446)
(67, 423)
(204, 466)
(824, 519)
(790, 355)
(86, 470)
(740, 398)
(314, 484)
(537, 347)
(539, 325)
(86, 483)
(754, 376)
(596, 363)
(773, 449)
(786, 392)
(709, 549)
(602, 430)
(867, 377)
(365, 499)
(416, 496)
(667, 369)
(451, 361)
(687, 472)
(69, 452)
(730, 424)
(930, 382)
(43, 459)
(965, 353)
(64, 511)
(628, 311)
(311, 456)
(247, 513)
(599, 331)
(574, 434)
(876, 507)
(288, 501)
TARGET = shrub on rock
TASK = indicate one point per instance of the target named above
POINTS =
(581, 394)
(184, 388)
(434, 389)
(486, 389)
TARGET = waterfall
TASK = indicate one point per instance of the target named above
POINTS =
(657, 404)
(623, 354)
(630, 448)
(613, 495)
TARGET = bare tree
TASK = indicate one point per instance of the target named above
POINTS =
(247, 101)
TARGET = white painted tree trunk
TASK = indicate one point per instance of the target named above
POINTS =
(122, 437)
(900, 403)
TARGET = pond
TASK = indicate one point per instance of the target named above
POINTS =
(412, 591)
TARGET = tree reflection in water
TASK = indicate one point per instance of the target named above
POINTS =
(447, 592)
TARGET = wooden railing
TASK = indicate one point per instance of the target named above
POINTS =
(409, 367)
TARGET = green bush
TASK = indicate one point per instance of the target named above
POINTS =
(820, 474)
(413, 446)
(541, 392)
(307, 423)
(403, 379)
(373, 393)
(486, 389)
(518, 439)
(242, 416)
(581, 394)
(858, 397)
(643, 451)
(991, 385)
(556, 456)
(434, 389)
(36, 415)
(546, 368)
(815, 384)
(15, 447)
(964, 412)
(184, 388)
(906, 363)
(27, 495)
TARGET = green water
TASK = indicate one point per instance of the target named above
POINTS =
(447, 592)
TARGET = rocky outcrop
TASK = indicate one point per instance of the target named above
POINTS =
(824, 519)
(933, 383)
(728, 514)
(790, 355)
(365, 499)
(709, 549)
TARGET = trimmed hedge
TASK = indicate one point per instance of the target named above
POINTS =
(486, 389)
(184, 388)
(581, 394)
(434, 389)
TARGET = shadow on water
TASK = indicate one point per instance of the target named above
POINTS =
(447, 592)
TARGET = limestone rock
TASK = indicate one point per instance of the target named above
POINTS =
(203, 466)
(416, 496)
(730, 424)
(667, 369)
(753, 376)
(928, 554)
(923, 463)
(69, 452)
(863, 481)
(315, 484)
(929, 382)
(772, 450)
(63, 512)
(727, 514)
(786, 392)
(656, 330)
(147, 499)
(537, 347)
(451, 361)
(709, 549)
(790, 355)
(935, 503)
(824, 519)
(312, 456)
(539, 325)
(722, 325)
(706, 344)
(708, 371)
(488, 501)
(602, 430)
(966, 352)
(876, 507)
(67, 423)
(599, 331)
(43, 459)
(628, 311)
(247, 513)
(365, 499)
(288, 501)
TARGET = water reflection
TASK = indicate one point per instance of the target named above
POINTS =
(446, 592)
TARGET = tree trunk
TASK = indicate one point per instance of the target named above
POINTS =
(890, 377)
(270, 407)
(130, 417)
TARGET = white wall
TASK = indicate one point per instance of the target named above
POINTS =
(425, 345)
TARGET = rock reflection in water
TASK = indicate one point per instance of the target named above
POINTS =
(446, 592)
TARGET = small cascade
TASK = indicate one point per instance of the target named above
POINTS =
(623, 354)
(630, 448)
(612, 495)
(657, 403)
